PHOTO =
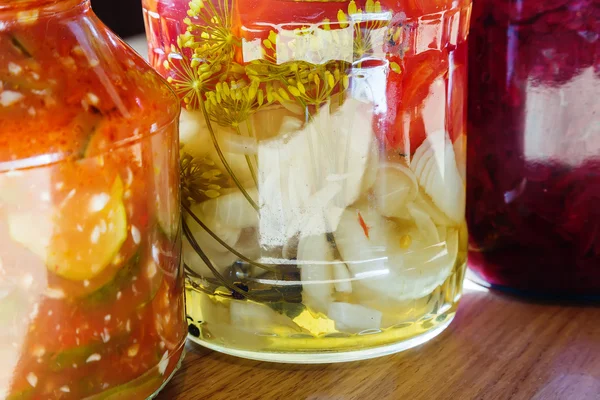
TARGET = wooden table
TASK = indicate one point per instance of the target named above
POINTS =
(498, 347)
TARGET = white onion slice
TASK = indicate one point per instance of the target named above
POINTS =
(394, 188)
(220, 261)
(195, 137)
(343, 280)
(232, 210)
(258, 318)
(440, 177)
(314, 258)
(399, 260)
(354, 318)
(460, 149)
(424, 224)
(313, 173)
(228, 234)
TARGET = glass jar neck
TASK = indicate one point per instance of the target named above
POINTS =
(27, 11)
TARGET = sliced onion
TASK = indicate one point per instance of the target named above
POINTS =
(460, 149)
(432, 264)
(420, 158)
(399, 260)
(424, 202)
(228, 234)
(343, 280)
(425, 224)
(232, 210)
(369, 258)
(191, 127)
(440, 177)
(259, 318)
(237, 144)
(371, 170)
(197, 141)
(326, 160)
(354, 318)
(275, 120)
(220, 261)
(395, 187)
(294, 107)
(314, 258)
(290, 125)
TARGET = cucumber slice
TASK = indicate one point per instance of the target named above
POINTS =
(94, 142)
(76, 356)
(60, 360)
(165, 158)
(80, 254)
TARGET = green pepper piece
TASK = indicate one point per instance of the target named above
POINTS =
(19, 44)
(123, 278)
(88, 124)
(141, 387)
(77, 355)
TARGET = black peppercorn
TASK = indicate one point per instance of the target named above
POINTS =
(193, 330)
(242, 287)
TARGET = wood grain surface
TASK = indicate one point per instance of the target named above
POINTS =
(498, 347)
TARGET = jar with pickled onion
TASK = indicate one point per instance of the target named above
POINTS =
(91, 282)
(323, 158)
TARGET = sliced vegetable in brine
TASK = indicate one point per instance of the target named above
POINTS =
(95, 219)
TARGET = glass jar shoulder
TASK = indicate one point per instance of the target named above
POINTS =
(67, 81)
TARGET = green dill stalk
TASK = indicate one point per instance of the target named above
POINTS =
(248, 159)
(252, 135)
(209, 264)
(223, 243)
(222, 156)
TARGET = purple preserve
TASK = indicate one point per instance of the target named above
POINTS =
(534, 145)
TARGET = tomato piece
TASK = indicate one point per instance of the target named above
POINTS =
(405, 124)
(417, 132)
(384, 123)
(421, 71)
(252, 12)
(417, 8)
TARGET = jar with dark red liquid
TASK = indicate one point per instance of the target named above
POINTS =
(534, 145)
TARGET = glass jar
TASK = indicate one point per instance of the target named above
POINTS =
(323, 157)
(91, 282)
(534, 146)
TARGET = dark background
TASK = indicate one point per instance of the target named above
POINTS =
(122, 16)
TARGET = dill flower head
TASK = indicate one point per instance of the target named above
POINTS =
(201, 179)
(209, 32)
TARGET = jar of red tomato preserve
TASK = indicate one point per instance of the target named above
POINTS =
(534, 146)
(91, 287)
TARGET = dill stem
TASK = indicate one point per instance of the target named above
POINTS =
(222, 156)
